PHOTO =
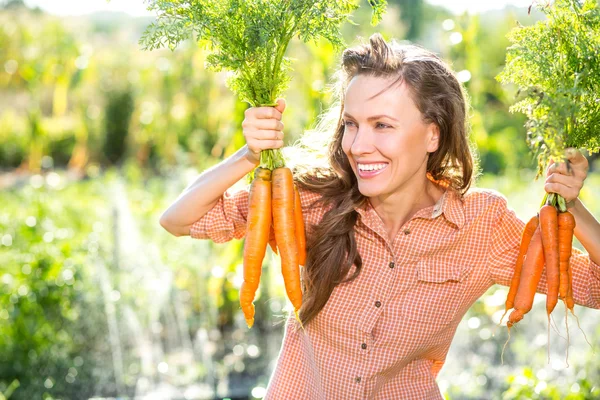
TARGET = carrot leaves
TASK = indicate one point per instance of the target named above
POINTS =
(554, 64)
(249, 38)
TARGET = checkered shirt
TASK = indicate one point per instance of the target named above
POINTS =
(386, 334)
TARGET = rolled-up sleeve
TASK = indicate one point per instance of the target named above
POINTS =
(226, 220)
(586, 279)
(505, 243)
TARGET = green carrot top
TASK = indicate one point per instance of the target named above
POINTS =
(249, 38)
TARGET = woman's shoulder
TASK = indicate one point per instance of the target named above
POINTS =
(482, 199)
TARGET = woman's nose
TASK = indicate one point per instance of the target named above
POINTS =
(363, 142)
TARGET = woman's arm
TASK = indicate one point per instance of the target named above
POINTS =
(202, 195)
(587, 229)
(566, 179)
(262, 128)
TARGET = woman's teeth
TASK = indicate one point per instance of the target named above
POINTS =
(371, 167)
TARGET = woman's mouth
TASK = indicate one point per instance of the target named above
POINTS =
(369, 170)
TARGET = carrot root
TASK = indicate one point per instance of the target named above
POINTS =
(526, 237)
(515, 316)
(299, 224)
(255, 245)
(555, 328)
(549, 230)
(568, 338)
(548, 338)
(582, 331)
(499, 322)
(504, 347)
(285, 235)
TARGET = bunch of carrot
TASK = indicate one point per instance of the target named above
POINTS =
(546, 245)
(546, 241)
(274, 201)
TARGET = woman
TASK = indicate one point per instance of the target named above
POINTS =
(399, 248)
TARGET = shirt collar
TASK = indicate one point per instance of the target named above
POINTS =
(450, 205)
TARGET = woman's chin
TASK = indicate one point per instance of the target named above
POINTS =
(369, 190)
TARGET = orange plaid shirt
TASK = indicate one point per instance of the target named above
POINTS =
(386, 334)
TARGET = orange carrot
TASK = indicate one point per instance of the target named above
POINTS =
(528, 232)
(549, 229)
(272, 242)
(257, 236)
(566, 225)
(300, 234)
(530, 277)
(569, 298)
(285, 235)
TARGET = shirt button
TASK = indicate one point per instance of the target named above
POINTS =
(392, 265)
(407, 231)
(364, 345)
(377, 303)
(357, 379)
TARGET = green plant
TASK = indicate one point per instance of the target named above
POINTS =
(249, 38)
(554, 64)
(119, 109)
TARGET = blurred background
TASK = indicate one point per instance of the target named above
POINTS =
(98, 137)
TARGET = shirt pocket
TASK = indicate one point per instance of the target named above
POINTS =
(437, 293)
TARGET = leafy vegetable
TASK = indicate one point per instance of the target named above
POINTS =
(555, 65)
(250, 37)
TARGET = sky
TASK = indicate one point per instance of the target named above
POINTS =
(138, 7)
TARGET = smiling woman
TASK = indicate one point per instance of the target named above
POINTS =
(388, 154)
(398, 244)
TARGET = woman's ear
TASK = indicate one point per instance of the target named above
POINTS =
(433, 134)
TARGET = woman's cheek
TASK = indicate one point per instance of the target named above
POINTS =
(346, 143)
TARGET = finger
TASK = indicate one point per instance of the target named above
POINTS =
(266, 113)
(280, 105)
(257, 146)
(567, 193)
(566, 186)
(548, 168)
(568, 181)
(268, 134)
(269, 124)
(575, 157)
(558, 168)
(272, 144)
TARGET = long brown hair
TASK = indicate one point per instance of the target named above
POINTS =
(332, 248)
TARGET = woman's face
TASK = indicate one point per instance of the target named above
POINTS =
(385, 138)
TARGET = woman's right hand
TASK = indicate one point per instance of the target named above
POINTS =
(263, 129)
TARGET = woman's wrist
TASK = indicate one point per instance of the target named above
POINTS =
(574, 205)
(251, 157)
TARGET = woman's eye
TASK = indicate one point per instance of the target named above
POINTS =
(382, 126)
(348, 123)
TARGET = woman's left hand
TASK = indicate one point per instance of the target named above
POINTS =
(566, 178)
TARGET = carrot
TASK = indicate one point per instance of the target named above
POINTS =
(530, 277)
(566, 225)
(528, 232)
(257, 236)
(272, 243)
(549, 229)
(569, 298)
(300, 234)
(283, 221)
